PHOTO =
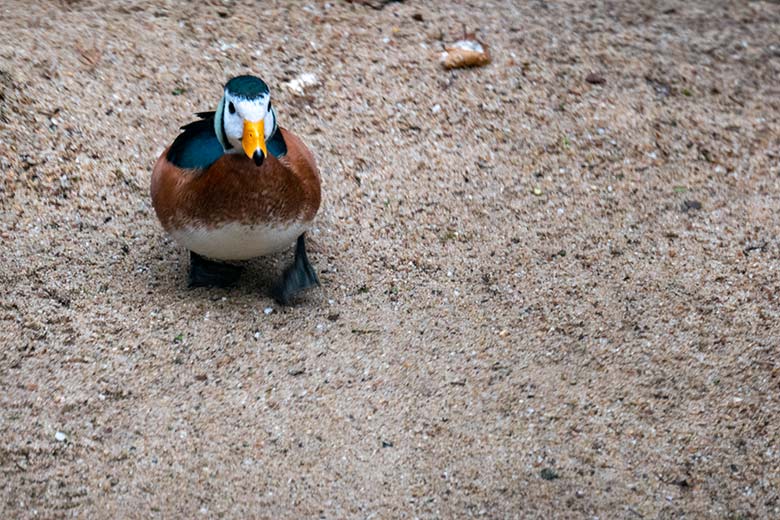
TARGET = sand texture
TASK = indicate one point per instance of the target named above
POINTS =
(550, 285)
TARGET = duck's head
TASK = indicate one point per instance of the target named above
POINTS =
(245, 118)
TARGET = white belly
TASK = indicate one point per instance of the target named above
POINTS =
(238, 241)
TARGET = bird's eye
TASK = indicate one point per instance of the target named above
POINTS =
(231, 108)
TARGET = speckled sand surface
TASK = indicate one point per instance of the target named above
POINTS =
(541, 295)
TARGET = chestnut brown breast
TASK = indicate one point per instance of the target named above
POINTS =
(233, 189)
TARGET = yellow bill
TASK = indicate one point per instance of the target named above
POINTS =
(254, 138)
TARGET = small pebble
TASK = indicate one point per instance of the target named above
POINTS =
(691, 205)
(595, 79)
(302, 83)
(60, 437)
(268, 310)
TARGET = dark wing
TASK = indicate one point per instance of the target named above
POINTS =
(197, 147)
(276, 145)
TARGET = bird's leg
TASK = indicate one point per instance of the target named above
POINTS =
(298, 276)
(207, 273)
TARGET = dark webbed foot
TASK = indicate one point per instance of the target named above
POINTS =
(298, 276)
(207, 273)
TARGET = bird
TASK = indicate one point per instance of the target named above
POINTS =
(234, 185)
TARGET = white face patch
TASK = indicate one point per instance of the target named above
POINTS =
(249, 110)
(252, 110)
(270, 123)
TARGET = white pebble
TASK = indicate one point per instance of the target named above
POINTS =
(60, 437)
(268, 310)
(300, 84)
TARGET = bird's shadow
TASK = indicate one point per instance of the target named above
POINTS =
(169, 267)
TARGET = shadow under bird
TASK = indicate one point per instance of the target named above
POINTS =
(234, 185)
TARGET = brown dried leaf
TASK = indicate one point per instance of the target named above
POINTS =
(467, 52)
(90, 57)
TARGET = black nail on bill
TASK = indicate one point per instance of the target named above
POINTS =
(258, 157)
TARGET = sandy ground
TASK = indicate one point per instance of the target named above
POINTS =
(541, 295)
